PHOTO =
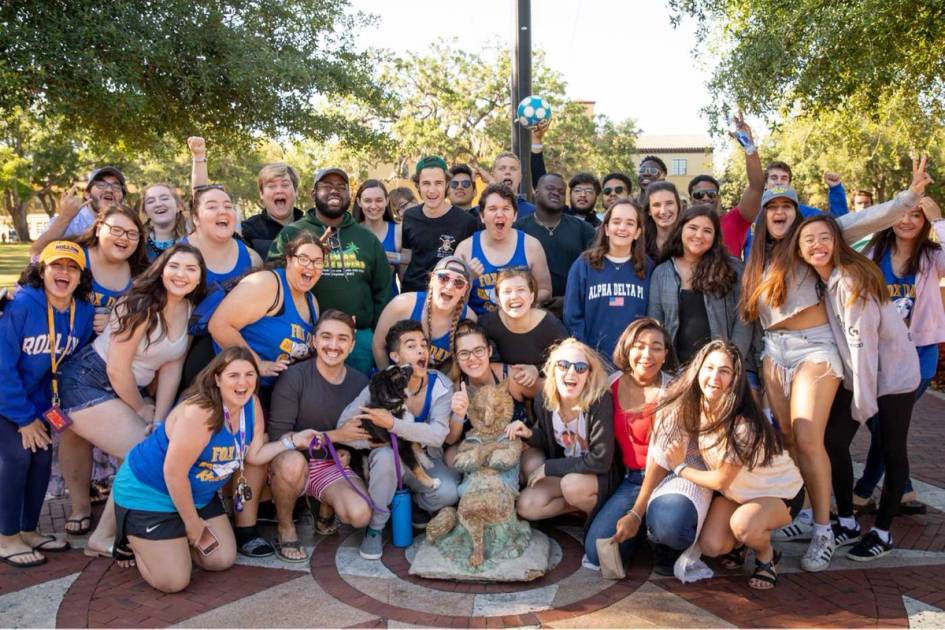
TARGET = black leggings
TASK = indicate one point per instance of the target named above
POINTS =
(895, 412)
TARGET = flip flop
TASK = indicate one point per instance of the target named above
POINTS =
(48, 538)
(290, 544)
(22, 565)
(82, 529)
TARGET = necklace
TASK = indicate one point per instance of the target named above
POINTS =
(419, 389)
(549, 229)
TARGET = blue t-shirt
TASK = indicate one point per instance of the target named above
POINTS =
(213, 468)
(902, 294)
(440, 351)
(482, 297)
(102, 297)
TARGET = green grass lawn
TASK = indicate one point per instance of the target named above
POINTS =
(12, 260)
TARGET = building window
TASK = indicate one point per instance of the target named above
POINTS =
(679, 167)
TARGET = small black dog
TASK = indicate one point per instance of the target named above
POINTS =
(388, 390)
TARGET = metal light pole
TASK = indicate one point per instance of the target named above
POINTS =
(522, 87)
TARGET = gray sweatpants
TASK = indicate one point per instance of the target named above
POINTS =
(383, 484)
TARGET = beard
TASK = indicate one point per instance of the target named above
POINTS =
(327, 210)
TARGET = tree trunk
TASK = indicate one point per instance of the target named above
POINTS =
(20, 224)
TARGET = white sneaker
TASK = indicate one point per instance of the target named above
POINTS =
(819, 553)
(798, 529)
(587, 564)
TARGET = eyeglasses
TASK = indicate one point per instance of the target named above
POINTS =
(117, 232)
(205, 187)
(336, 187)
(444, 278)
(103, 185)
(478, 352)
(579, 366)
(649, 170)
(584, 191)
(705, 194)
(823, 239)
(617, 190)
(456, 183)
(308, 261)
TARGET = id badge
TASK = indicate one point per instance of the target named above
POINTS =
(58, 419)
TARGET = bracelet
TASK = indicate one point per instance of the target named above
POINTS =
(678, 469)
(398, 258)
(537, 147)
(458, 419)
(287, 442)
(634, 514)
(203, 159)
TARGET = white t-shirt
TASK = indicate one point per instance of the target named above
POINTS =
(80, 223)
(572, 436)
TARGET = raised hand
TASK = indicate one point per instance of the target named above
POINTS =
(931, 209)
(920, 178)
(197, 146)
(832, 179)
(69, 204)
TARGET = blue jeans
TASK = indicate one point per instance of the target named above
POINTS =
(671, 520)
(615, 508)
(25, 477)
(874, 469)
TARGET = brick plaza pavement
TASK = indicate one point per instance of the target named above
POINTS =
(339, 589)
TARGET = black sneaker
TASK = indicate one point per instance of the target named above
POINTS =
(869, 548)
(420, 518)
(844, 536)
(663, 559)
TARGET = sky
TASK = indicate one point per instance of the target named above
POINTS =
(607, 50)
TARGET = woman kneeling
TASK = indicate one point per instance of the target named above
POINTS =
(711, 403)
(166, 490)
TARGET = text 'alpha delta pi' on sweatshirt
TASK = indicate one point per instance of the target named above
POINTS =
(600, 303)
(25, 388)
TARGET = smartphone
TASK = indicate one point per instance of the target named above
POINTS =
(208, 542)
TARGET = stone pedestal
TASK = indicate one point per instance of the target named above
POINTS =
(534, 562)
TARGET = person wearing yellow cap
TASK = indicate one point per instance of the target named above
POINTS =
(48, 320)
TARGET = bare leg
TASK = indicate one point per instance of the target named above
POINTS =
(351, 508)
(75, 463)
(256, 477)
(164, 564)
(580, 490)
(716, 538)
(543, 500)
(223, 556)
(289, 471)
(752, 524)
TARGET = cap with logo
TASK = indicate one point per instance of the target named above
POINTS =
(779, 192)
(59, 250)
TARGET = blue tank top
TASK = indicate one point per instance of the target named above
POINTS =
(243, 264)
(390, 245)
(103, 297)
(283, 337)
(440, 351)
(482, 298)
(425, 412)
(213, 468)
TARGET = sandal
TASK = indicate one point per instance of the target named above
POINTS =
(734, 559)
(765, 577)
(83, 527)
(290, 544)
(98, 492)
(23, 565)
(63, 545)
(124, 556)
(326, 525)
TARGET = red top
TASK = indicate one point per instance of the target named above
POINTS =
(632, 430)
(734, 231)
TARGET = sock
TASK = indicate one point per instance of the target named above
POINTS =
(883, 535)
(822, 529)
(806, 515)
(849, 522)
(373, 532)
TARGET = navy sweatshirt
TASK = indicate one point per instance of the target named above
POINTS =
(25, 389)
(600, 304)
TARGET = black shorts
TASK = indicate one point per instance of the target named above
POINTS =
(158, 525)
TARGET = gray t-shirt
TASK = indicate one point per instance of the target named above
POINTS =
(303, 399)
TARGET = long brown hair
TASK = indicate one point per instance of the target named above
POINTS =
(180, 222)
(650, 230)
(205, 393)
(865, 278)
(138, 261)
(358, 213)
(145, 300)
(762, 249)
(885, 241)
(595, 255)
(682, 405)
(714, 273)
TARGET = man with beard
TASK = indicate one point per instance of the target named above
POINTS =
(562, 236)
(584, 189)
(356, 276)
(278, 186)
(433, 229)
(105, 188)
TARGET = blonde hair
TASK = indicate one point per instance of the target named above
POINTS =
(276, 170)
(594, 388)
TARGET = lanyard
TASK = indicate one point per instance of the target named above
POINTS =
(241, 443)
(54, 359)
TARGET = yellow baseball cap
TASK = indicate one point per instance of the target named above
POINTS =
(57, 250)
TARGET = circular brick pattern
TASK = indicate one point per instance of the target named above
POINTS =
(325, 572)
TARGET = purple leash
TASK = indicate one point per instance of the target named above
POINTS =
(397, 471)
(323, 442)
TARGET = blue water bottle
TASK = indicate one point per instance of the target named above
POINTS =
(401, 507)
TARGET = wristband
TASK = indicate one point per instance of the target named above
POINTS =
(397, 258)
(203, 159)
(458, 419)
(634, 514)
(537, 147)
(678, 469)
(287, 442)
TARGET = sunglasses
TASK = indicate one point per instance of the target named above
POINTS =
(617, 190)
(457, 183)
(579, 366)
(444, 278)
(205, 187)
(649, 170)
(705, 194)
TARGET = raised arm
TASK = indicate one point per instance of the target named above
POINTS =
(69, 206)
(199, 172)
(749, 205)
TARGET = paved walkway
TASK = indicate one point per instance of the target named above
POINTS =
(339, 589)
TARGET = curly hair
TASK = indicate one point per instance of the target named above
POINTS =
(32, 276)
(715, 273)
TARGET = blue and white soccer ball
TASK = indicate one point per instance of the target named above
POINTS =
(532, 111)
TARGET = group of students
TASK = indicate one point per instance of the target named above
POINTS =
(637, 348)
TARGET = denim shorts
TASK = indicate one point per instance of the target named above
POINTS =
(788, 349)
(84, 381)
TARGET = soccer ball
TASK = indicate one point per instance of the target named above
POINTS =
(532, 111)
